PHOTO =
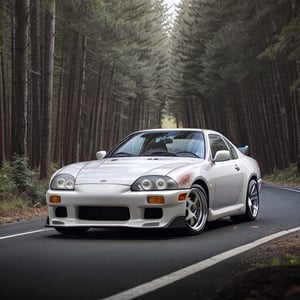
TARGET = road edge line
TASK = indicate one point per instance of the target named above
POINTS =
(282, 187)
(22, 234)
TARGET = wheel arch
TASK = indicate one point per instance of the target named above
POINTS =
(253, 176)
(203, 184)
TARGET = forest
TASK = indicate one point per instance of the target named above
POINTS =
(77, 76)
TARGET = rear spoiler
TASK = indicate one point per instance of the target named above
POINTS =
(244, 149)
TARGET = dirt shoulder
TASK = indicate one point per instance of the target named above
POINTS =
(22, 214)
(270, 271)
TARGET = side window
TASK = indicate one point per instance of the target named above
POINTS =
(233, 153)
(216, 143)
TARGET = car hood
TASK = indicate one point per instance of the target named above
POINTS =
(124, 170)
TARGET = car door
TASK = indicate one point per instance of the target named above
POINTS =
(226, 176)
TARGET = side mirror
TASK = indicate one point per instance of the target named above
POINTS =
(222, 155)
(100, 154)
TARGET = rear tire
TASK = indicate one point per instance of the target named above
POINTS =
(252, 203)
(72, 230)
(196, 210)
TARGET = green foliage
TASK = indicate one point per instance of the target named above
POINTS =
(217, 81)
(287, 176)
(286, 259)
(21, 174)
(13, 203)
(7, 184)
(295, 85)
(286, 40)
(18, 182)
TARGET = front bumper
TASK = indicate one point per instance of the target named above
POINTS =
(114, 206)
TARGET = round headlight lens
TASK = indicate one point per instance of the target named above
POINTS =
(63, 182)
(60, 183)
(161, 184)
(69, 184)
(146, 184)
(154, 183)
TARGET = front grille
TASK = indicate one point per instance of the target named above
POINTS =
(103, 213)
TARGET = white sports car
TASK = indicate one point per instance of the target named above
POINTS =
(156, 179)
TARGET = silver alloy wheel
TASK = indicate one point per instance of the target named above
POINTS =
(196, 209)
(252, 200)
(252, 204)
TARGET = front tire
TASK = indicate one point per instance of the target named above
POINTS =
(196, 210)
(252, 203)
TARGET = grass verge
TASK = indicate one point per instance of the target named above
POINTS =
(16, 209)
(287, 177)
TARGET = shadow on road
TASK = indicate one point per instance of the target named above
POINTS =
(140, 234)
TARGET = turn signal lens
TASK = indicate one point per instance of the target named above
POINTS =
(182, 197)
(55, 199)
(155, 199)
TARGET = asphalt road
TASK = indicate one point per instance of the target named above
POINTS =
(38, 263)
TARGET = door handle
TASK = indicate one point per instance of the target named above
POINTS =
(237, 167)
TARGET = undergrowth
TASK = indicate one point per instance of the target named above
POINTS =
(286, 259)
(20, 187)
(286, 177)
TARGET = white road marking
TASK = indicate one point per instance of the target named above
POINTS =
(284, 188)
(23, 233)
(289, 189)
(192, 269)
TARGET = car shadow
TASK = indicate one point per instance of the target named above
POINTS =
(140, 234)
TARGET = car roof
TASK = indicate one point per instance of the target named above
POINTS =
(207, 131)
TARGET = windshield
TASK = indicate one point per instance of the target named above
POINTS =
(162, 143)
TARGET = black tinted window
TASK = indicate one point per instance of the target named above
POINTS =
(216, 144)
(233, 153)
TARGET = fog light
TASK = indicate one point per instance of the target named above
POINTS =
(55, 199)
(182, 197)
(155, 199)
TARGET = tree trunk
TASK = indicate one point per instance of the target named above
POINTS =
(69, 117)
(2, 97)
(81, 96)
(108, 117)
(58, 144)
(297, 120)
(35, 130)
(47, 112)
(19, 116)
(3, 111)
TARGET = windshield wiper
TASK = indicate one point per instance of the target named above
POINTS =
(187, 154)
(122, 154)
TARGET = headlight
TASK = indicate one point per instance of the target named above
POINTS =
(63, 182)
(154, 183)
